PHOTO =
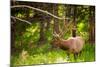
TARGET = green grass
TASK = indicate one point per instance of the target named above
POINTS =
(45, 55)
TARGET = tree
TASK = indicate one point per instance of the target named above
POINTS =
(56, 23)
(74, 21)
(91, 25)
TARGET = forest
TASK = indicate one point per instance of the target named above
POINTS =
(40, 33)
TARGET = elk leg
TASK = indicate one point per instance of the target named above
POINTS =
(80, 53)
(68, 56)
(75, 56)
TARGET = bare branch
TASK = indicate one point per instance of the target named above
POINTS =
(21, 20)
(43, 11)
(39, 10)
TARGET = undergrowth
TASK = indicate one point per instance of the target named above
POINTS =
(46, 55)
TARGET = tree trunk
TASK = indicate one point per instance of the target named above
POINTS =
(56, 23)
(13, 37)
(43, 24)
(91, 25)
(42, 38)
(74, 21)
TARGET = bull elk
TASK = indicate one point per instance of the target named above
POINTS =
(73, 44)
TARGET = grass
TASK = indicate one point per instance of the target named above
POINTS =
(45, 55)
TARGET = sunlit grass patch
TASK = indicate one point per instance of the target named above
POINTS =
(45, 55)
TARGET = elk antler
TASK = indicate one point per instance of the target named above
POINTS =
(56, 35)
(64, 29)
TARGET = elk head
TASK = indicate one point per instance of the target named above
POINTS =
(56, 41)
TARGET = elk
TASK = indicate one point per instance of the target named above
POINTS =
(72, 44)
